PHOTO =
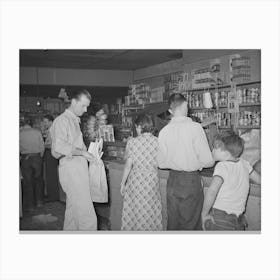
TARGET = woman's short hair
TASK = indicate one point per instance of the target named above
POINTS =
(146, 123)
(76, 94)
(231, 142)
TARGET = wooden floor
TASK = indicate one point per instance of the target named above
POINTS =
(56, 209)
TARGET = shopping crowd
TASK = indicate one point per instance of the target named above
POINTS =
(181, 147)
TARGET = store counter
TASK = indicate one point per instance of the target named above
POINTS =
(115, 171)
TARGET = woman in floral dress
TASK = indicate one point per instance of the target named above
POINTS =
(140, 182)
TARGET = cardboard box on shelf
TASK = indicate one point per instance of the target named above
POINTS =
(107, 133)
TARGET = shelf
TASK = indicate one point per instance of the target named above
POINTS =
(248, 83)
(224, 127)
(225, 107)
(130, 107)
(201, 108)
(208, 88)
(249, 104)
(223, 86)
(248, 127)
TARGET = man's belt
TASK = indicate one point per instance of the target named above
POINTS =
(27, 156)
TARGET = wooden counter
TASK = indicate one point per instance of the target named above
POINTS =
(115, 169)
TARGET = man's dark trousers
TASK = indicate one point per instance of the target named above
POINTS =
(184, 200)
(32, 191)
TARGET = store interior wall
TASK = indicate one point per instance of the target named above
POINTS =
(112, 84)
(105, 85)
(154, 75)
(75, 77)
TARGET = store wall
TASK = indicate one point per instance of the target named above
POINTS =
(255, 56)
(154, 75)
(72, 77)
(158, 70)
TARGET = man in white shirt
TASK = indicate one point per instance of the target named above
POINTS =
(68, 146)
(184, 149)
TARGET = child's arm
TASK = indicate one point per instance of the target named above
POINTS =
(127, 168)
(255, 177)
(210, 197)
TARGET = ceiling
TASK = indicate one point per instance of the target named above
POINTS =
(97, 59)
(113, 59)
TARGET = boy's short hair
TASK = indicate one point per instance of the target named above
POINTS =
(230, 142)
(175, 100)
(146, 123)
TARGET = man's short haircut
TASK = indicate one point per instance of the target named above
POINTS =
(146, 123)
(230, 142)
(49, 117)
(76, 94)
(175, 100)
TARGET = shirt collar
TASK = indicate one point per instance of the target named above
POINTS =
(231, 160)
(72, 115)
(180, 118)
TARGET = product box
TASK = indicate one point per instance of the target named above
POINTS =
(106, 132)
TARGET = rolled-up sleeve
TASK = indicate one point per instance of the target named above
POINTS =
(202, 149)
(60, 144)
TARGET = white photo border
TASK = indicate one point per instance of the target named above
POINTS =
(139, 24)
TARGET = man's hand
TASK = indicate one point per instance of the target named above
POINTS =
(204, 218)
(89, 156)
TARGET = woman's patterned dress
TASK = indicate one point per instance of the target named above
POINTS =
(142, 200)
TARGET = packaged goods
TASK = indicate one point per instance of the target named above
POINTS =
(138, 94)
(249, 95)
(240, 68)
(249, 118)
(207, 100)
(176, 83)
(157, 94)
(107, 133)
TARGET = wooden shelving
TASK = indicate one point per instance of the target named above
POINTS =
(223, 86)
(224, 127)
(249, 127)
(249, 104)
(201, 108)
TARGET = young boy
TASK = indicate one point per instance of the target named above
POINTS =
(225, 200)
